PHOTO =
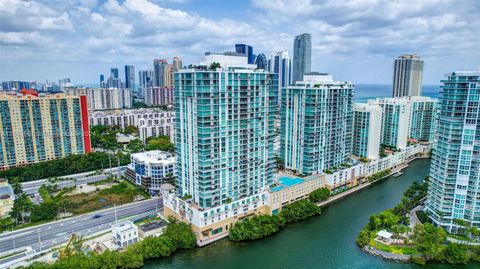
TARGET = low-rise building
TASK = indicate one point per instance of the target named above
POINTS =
(345, 178)
(7, 198)
(154, 228)
(289, 189)
(124, 234)
(134, 117)
(151, 169)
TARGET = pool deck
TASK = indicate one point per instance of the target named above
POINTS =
(287, 181)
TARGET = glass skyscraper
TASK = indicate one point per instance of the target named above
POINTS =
(316, 124)
(454, 185)
(302, 56)
(281, 65)
(225, 131)
(246, 50)
(422, 120)
(130, 77)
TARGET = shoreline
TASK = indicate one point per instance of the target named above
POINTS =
(367, 184)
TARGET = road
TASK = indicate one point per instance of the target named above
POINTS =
(31, 187)
(44, 236)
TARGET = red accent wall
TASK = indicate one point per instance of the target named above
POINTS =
(85, 123)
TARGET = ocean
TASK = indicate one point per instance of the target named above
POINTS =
(363, 92)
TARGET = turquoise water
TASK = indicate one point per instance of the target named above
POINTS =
(324, 242)
(290, 181)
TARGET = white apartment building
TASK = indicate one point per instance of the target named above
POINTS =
(151, 169)
(346, 177)
(396, 114)
(156, 127)
(124, 234)
(155, 96)
(136, 117)
(367, 128)
(103, 98)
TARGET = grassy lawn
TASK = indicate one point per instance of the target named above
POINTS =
(395, 249)
(121, 193)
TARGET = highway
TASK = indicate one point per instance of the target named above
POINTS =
(31, 187)
(42, 237)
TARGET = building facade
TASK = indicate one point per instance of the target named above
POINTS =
(36, 128)
(134, 117)
(316, 124)
(151, 169)
(453, 191)
(155, 96)
(396, 113)
(367, 127)
(130, 77)
(407, 76)
(246, 50)
(162, 73)
(156, 127)
(422, 119)
(281, 64)
(103, 98)
(224, 130)
(124, 234)
(302, 56)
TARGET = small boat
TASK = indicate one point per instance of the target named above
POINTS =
(397, 174)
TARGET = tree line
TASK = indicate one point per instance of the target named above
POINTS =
(177, 236)
(71, 164)
(264, 225)
(429, 242)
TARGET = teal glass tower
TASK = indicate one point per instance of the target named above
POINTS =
(453, 191)
(316, 124)
(224, 130)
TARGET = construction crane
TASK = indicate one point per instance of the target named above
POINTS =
(72, 247)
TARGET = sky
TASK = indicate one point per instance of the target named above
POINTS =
(355, 40)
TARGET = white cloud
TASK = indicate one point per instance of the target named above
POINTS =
(136, 31)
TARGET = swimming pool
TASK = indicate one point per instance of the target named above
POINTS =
(290, 181)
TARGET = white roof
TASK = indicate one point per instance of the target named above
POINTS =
(123, 226)
(154, 157)
(384, 234)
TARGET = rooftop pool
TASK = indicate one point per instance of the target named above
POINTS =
(290, 181)
(286, 181)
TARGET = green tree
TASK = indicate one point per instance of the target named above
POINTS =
(6, 223)
(299, 210)
(130, 129)
(161, 142)
(429, 240)
(456, 254)
(156, 247)
(181, 235)
(363, 237)
(319, 195)
(215, 65)
(256, 227)
(135, 145)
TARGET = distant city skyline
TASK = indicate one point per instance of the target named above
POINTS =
(82, 39)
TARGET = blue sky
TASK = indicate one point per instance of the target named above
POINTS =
(355, 40)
